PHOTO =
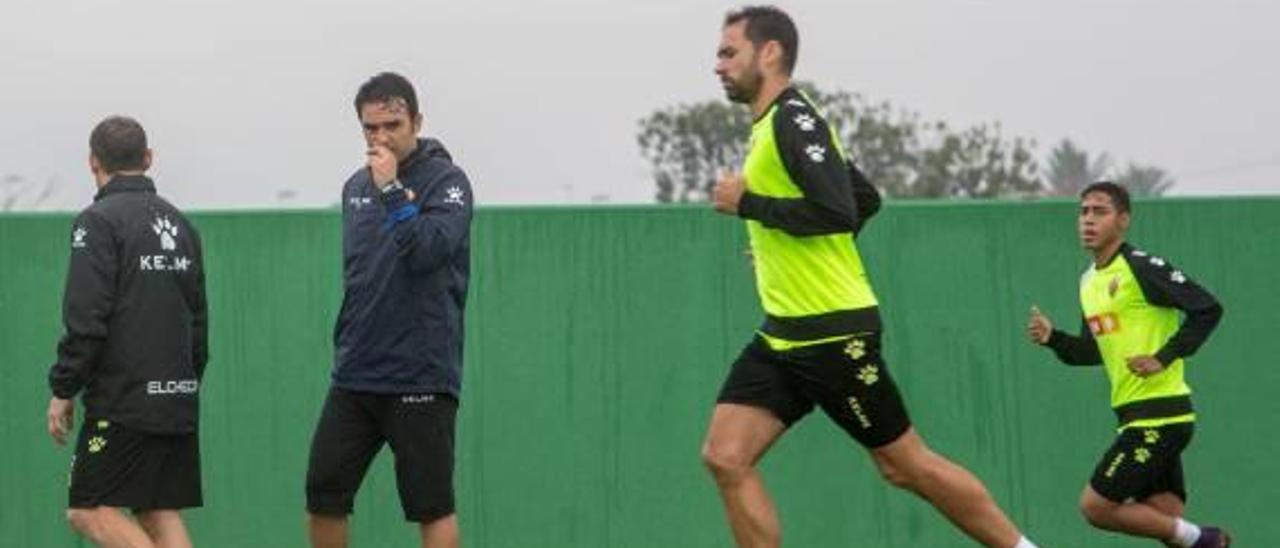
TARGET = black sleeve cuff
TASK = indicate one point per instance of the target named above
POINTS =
(1055, 339)
(394, 196)
(749, 206)
(1166, 356)
(62, 392)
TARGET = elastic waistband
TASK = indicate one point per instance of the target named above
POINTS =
(820, 326)
(1155, 408)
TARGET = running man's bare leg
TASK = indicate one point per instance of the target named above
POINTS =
(165, 527)
(108, 527)
(909, 464)
(737, 438)
(1134, 518)
(441, 533)
(327, 531)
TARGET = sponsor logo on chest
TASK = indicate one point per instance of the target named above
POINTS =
(1103, 324)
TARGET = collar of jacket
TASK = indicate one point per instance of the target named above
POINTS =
(126, 183)
(418, 154)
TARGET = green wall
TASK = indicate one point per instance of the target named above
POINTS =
(598, 337)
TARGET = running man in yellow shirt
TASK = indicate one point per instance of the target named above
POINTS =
(1131, 300)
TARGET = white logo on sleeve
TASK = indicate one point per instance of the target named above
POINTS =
(166, 231)
(1178, 277)
(796, 103)
(817, 153)
(1157, 261)
(806, 122)
(453, 195)
(1139, 253)
(77, 237)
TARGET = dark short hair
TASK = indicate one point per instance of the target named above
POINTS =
(1119, 196)
(120, 144)
(384, 87)
(765, 23)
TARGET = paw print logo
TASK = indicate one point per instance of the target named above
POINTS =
(1178, 277)
(77, 237)
(167, 231)
(856, 349)
(869, 374)
(806, 122)
(97, 443)
(817, 153)
(1150, 437)
(453, 195)
(1142, 455)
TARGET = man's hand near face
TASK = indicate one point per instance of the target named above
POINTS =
(382, 165)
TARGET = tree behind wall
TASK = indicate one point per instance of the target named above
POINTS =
(688, 145)
(1069, 169)
(17, 192)
(1144, 180)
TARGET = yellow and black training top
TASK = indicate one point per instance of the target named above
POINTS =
(1131, 309)
(802, 215)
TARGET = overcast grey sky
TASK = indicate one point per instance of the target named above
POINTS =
(539, 100)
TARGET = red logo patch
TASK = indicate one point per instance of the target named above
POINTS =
(1103, 324)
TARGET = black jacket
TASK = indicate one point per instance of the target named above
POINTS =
(406, 266)
(136, 339)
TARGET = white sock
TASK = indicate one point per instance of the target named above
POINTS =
(1186, 534)
(1023, 542)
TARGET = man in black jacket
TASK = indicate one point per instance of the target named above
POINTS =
(134, 349)
(397, 369)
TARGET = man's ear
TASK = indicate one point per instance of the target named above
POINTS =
(146, 159)
(771, 55)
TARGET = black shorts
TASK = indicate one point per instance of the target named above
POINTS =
(847, 378)
(1143, 462)
(120, 467)
(352, 428)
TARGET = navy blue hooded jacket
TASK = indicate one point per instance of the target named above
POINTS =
(406, 265)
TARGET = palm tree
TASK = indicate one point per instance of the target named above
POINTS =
(16, 192)
(1069, 169)
(1145, 180)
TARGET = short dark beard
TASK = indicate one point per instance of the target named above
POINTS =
(745, 91)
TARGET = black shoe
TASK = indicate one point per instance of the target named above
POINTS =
(1213, 537)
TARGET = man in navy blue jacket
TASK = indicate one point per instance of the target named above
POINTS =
(397, 371)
